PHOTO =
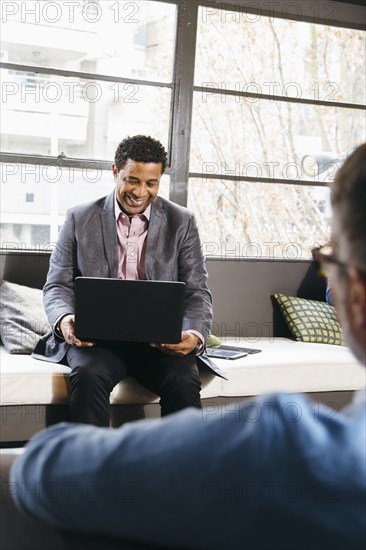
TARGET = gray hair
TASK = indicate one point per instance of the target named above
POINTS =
(348, 197)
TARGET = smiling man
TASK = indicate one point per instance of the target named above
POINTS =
(137, 185)
(130, 234)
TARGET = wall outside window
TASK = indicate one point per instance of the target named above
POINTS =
(238, 93)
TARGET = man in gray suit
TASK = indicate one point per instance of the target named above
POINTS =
(131, 234)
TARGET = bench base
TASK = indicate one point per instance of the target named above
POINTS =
(18, 423)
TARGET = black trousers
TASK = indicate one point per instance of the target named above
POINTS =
(96, 370)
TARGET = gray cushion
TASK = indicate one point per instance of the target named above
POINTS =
(22, 317)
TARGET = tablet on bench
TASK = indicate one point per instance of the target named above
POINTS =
(230, 352)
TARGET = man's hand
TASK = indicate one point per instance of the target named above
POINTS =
(68, 330)
(187, 344)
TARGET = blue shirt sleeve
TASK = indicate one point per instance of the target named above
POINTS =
(198, 477)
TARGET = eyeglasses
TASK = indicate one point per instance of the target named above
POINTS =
(326, 256)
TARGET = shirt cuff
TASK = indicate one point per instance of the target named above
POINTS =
(200, 348)
(56, 326)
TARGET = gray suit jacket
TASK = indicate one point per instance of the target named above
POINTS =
(87, 246)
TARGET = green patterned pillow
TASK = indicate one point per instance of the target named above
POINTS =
(309, 320)
(213, 341)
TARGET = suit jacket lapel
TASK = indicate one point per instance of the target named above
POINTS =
(157, 214)
(110, 244)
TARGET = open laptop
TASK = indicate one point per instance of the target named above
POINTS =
(129, 311)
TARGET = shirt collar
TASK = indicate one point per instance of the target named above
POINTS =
(117, 210)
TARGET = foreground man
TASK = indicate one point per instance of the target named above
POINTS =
(289, 479)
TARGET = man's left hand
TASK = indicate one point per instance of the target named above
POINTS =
(187, 344)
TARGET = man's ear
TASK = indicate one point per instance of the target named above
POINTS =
(357, 298)
(114, 171)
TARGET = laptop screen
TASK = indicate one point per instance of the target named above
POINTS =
(128, 311)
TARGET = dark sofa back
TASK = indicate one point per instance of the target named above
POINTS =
(241, 289)
(242, 292)
(24, 268)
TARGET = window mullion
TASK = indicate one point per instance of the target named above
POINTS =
(183, 100)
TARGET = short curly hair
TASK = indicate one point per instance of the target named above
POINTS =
(140, 149)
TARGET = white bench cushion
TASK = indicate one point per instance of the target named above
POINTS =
(283, 365)
(288, 366)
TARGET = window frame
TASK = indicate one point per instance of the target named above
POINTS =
(183, 88)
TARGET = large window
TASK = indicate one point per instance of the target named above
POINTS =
(268, 92)
(76, 77)
(256, 110)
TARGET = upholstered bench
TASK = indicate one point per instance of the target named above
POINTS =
(34, 394)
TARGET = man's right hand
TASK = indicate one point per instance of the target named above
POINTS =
(67, 328)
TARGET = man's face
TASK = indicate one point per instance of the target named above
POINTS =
(349, 298)
(137, 185)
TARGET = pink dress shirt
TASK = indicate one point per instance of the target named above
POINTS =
(131, 236)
